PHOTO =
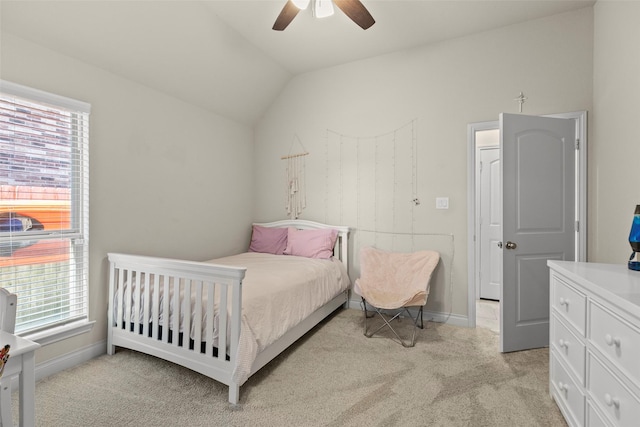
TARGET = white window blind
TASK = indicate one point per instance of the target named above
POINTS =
(44, 206)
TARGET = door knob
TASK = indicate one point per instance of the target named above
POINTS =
(511, 245)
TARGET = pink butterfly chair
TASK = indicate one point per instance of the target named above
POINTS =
(392, 282)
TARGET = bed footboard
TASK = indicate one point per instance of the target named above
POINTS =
(199, 330)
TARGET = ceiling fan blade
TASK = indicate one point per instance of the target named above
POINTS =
(289, 11)
(355, 10)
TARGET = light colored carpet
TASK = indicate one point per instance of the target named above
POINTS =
(334, 376)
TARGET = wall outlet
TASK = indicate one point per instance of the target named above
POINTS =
(442, 203)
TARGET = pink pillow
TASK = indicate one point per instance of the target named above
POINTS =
(311, 243)
(268, 240)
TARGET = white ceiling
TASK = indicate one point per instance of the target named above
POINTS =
(310, 43)
(224, 56)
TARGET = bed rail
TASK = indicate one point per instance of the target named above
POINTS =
(142, 318)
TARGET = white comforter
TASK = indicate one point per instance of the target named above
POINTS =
(278, 292)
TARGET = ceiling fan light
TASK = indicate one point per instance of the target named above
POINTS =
(301, 4)
(322, 8)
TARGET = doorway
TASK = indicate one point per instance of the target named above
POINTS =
(482, 137)
(489, 226)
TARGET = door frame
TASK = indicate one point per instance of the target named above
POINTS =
(473, 251)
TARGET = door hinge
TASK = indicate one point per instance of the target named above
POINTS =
(577, 226)
(577, 143)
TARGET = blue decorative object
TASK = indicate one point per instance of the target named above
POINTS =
(634, 241)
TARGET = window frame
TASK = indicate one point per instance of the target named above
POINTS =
(78, 231)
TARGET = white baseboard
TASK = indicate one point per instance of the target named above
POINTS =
(66, 361)
(432, 316)
(69, 360)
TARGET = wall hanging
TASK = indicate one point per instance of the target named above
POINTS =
(295, 180)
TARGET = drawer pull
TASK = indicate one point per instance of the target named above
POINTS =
(611, 401)
(565, 387)
(564, 301)
(563, 343)
(612, 340)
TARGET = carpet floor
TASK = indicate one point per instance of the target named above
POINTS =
(334, 376)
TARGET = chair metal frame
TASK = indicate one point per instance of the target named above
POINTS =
(418, 321)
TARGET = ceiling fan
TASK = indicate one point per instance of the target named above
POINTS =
(354, 9)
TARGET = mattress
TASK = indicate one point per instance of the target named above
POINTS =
(278, 292)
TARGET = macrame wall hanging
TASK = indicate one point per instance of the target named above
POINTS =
(295, 180)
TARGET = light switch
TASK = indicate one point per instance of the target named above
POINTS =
(442, 203)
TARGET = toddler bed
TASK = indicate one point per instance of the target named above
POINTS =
(228, 317)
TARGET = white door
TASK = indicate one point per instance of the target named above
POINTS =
(538, 199)
(490, 224)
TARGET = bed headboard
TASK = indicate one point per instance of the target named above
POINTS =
(342, 242)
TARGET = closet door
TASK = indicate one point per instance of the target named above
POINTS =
(490, 224)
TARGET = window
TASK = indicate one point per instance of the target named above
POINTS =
(44, 207)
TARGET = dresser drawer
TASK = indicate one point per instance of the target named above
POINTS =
(594, 419)
(569, 347)
(566, 392)
(570, 303)
(611, 396)
(616, 338)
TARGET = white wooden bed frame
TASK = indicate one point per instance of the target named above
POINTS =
(225, 281)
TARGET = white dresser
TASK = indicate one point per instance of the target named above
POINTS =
(594, 343)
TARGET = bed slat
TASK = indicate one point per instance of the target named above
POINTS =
(135, 307)
(145, 319)
(119, 318)
(165, 308)
(222, 321)
(197, 318)
(187, 314)
(156, 305)
(176, 312)
(210, 319)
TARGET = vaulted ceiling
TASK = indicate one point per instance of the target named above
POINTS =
(223, 55)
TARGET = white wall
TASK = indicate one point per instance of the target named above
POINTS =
(443, 87)
(166, 178)
(615, 149)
